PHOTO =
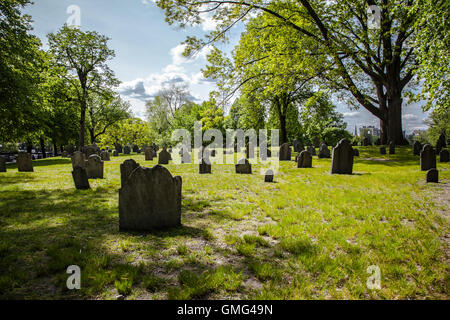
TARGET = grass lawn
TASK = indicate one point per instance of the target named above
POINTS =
(309, 235)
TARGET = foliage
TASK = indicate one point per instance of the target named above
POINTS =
(126, 132)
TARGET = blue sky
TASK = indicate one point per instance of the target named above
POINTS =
(148, 51)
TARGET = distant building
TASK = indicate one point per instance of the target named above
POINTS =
(369, 131)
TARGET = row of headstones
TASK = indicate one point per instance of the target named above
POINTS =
(24, 163)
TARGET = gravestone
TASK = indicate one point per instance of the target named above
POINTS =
(383, 150)
(268, 177)
(355, 152)
(90, 150)
(304, 160)
(391, 147)
(136, 148)
(440, 143)
(24, 162)
(427, 158)
(104, 155)
(433, 175)
(70, 149)
(324, 152)
(2, 164)
(285, 152)
(118, 148)
(148, 154)
(243, 166)
(444, 155)
(311, 150)
(213, 153)
(115, 153)
(249, 151)
(342, 159)
(126, 149)
(298, 146)
(150, 199)
(126, 168)
(80, 178)
(164, 157)
(365, 142)
(78, 159)
(417, 147)
(204, 168)
(94, 167)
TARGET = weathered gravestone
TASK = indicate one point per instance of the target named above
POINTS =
(150, 198)
(365, 142)
(90, 150)
(126, 168)
(342, 159)
(78, 159)
(298, 146)
(94, 167)
(427, 158)
(126, 149)
(417, 147)
(136, 148)
(355, 152)
(304, 160)
(164, 157)
(213, 153)
(24, 162)
(118, 148)
(383, 150)
(324, 152)
(115, 153)
(2, 164)
(268, 177)
(149, 154)
(444, 155)
(433, 175)
(104, 155)
(80, 178)
(243, 166)
(440, 143)
(311, 150)
(285, 152)
(204, 167)
(391, 147)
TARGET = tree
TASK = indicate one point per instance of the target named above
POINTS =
(131, 131)
(372, 66)
(84, 54)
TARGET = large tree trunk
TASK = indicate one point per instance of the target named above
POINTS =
(82, 127)
(283, 128)
(91, 133)
(395, 129)
(29, 146)
(42, 143)
(55, 149)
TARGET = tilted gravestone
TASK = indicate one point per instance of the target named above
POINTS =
(440, 143)
(80, 178)
(119, 148)
(342, 159)
(268, 177)
(383, 150)
(285, 152)
(324, 152)
(304, 160)
(355, 152)
(417, 147)
(24, 162)
(148, 154)
(2, 164)
(126, 168)
(104, 155)
(243, 166)
(311, 150)
(126, 150)
(433, 175)
(427, 158)
(94, 167)
(444, 155)
(78, 159)
(164, 157)
(298, 146)
(391, 147)
(150, 199)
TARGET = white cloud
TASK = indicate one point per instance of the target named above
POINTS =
(355, 114)
(410, 116)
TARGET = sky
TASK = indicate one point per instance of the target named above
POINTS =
(148, 51)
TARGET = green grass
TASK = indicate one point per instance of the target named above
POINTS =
(309, 235)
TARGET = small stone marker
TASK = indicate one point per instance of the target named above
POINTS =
(311, 150)
(118, 148)
(80, 178)
(126, 168)
(342, 159)
(2, 164)
(243, 166)
(383, 150)
(417, 147)
(94, 167)
(285, 152)
(433, 175)
(78, 159)
(115, 153)
(148, 154)
(164, 157)
(444, 155)
(126, 150)
(24, 162)
(204, 168)
(355, 152)
(304, 160)
(150, 199)
(391, 147)
(136, 148)
(427, 158)
(268, 177)
(104, 155)
(324, 152)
